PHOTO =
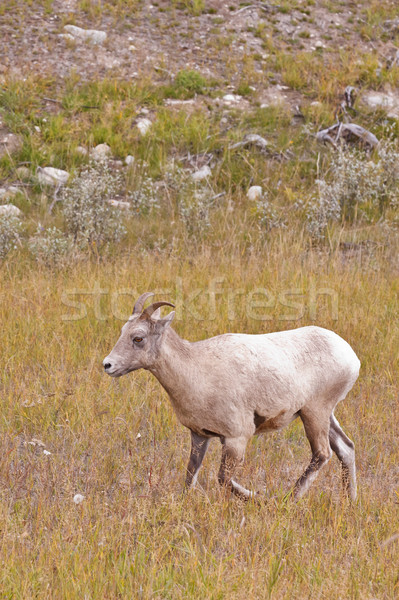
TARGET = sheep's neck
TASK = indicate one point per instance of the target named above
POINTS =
(175, 366)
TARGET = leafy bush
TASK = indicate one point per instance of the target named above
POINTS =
(267, 216)
(51, 247)
(89, 217)
(10, 229)
(144, 199)
(196, 199)
(195, 211)
(355, 188)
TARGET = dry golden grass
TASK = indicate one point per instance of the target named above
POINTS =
(66, 428)
(135, 535)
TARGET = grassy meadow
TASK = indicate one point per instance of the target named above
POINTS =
(320, 246)
(118, 443)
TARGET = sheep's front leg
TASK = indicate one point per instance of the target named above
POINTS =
(233, 451)
(199, 446)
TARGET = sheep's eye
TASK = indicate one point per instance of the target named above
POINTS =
(137, 340)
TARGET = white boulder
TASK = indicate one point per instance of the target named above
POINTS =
(52, 176)
(143, 125)
(86, 35)
(10, 209)
(255, 192)
(101, 152)
(202, 173)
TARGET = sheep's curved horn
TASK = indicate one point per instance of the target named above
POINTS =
(138, 307)
(153, 307)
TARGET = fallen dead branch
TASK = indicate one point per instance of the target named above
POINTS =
(349, 133)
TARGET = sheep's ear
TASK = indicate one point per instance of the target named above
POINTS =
(166, 321)
(156, 315)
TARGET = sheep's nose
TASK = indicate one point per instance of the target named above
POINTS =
(107, 363)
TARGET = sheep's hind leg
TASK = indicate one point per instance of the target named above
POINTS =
(233, 450)
(344, 448)
(317, 432)
(199, 446)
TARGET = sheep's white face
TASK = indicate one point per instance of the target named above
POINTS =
(138, 345)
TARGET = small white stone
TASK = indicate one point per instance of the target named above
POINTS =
(132, 48)
(82, 150)
(101, 152)
(138, 436)
(13, 190)
(177, 101)
(143, 125)
(202, 173)
(46, 453)
(119, 204)
(10, 209)
(23, 172)
(78, 498)
(52, 176)
(129, 160)
(231, 98)
(255, 192)
(144, 111)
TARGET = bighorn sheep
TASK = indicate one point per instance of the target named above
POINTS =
(234, 386)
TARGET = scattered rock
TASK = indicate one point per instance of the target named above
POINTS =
(13, 190)
(251, 139)
(231, 98)
(51, 176)
(101, 152)
(9, 193)
(9, 143)
(202, 173)
(385, 100)
(129, 160)
(143, 125)
(177, 102)
(23, 173)
(86, 35)
(255, 192)
(119, 204)
(78, 498)
(66, 36)
(82, 151)
(10, 209)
